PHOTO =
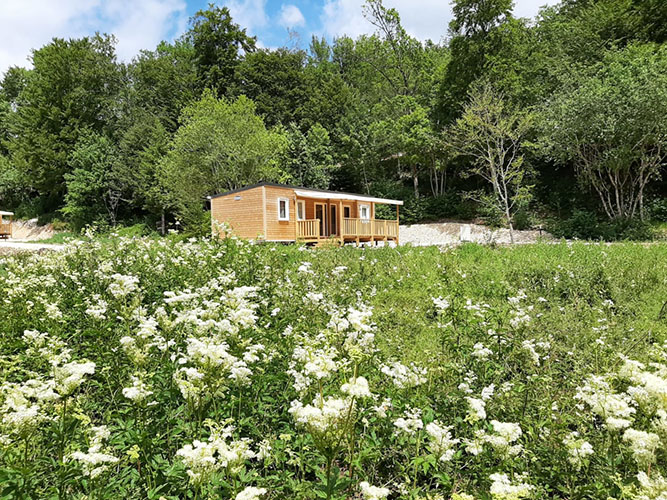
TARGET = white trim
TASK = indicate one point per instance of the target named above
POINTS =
(343, 196)
(286, 200)
(300, 203)
(2, 212)
(367, 207)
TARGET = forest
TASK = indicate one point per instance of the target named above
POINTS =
(558, 121)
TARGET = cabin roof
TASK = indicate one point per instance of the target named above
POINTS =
(2, 212)
(315, 193)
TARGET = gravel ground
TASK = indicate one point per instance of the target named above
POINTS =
(13, 246)
(454, 233)
(29, 230)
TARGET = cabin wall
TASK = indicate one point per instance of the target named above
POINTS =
(243, 211)
(278, 230)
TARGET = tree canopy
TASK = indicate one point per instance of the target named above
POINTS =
(376, 114)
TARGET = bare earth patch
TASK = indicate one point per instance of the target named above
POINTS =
(455, 233)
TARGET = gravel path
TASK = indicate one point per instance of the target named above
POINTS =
(14, 246)
(454, 233)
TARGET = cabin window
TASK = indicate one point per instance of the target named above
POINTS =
(364, 211)
(283, 209)
(300, 210)
(347, 212)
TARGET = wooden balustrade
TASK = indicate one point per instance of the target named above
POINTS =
(375, 228)
(308, 229)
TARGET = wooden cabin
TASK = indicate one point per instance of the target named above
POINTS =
(6, 219)
(276, 212)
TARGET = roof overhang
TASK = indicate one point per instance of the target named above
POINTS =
(2, 212)
(305, 193)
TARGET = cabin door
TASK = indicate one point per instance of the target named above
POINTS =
(334, 220)
(321, 214)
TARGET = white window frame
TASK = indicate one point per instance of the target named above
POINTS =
(361, 211)
(286, 200)
(301, 204)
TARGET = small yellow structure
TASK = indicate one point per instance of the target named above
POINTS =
(6, 226)
(276, 212)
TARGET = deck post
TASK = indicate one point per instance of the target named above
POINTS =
(397, 224)
(340, 222)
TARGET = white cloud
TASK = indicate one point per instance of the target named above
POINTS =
(250, 14)
(423, 19)
(144, 24)
(291, 16)
(30, 24)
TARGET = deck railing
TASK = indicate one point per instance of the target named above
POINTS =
(370, 227)
(364, 228)
(307, 229)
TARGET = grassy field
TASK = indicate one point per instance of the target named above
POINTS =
(156, 368)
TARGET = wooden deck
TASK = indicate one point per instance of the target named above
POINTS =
(5, 230)
(353, 230)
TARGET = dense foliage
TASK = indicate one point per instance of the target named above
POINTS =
(87, 139)
(156, 368)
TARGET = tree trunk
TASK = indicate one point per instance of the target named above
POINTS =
(163, 228)
(415, 181)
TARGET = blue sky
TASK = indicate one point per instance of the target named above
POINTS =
(141, 24)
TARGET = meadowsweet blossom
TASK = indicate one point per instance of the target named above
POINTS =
(404, 376)
(441, 442)
(481, 352)
(462, 496)
(382, 409)
(357, 388)
(97, 307)
(370, 492)
(200, 461)
(476, 409)
(70, 376)
(251, 493)
(440, 303)
(122, 285)
(310, 363)
(410, 423)
(503, 436)
(138, 391)
(614, 408)
(475, 446)
(643, 445)
(96, 460)
(323, 416)
(503, 488)
(578, 449)
(651, 488)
